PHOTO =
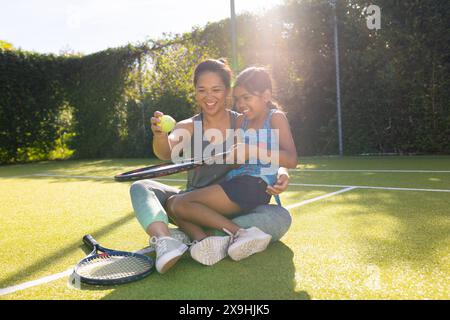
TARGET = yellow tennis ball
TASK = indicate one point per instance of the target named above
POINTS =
(167, 123)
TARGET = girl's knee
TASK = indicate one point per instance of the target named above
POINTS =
(175, 205)
(172, 205)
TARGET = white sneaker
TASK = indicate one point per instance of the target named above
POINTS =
(168, 251)
(175, 233)
(247, 242)
(210, 250)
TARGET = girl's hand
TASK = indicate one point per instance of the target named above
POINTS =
(155, 120)
(236, 154)
(280, 185)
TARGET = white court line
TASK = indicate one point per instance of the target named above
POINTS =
(367, 187)
(34, 283)
(91, 177)
(369, 170)
(291, 184)
(295, 205)
(51, 278)
(63, 274)
(70, 176)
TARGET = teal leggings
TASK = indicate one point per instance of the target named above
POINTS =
(149, 197)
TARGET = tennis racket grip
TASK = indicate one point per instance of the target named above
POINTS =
(90, 241)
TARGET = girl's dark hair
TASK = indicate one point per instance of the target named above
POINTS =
(219, 66)
(256, 80)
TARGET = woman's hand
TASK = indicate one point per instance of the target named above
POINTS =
(280, 185)
(155, 120)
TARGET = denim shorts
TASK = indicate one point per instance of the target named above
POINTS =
(246, 191)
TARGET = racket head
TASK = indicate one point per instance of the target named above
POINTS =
(109, 267)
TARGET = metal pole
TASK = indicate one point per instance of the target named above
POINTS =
(141, 95)
(233, 37)
(338, 87)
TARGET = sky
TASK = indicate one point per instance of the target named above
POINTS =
(87, 26)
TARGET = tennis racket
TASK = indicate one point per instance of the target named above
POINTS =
(108, 267)
(166, 169)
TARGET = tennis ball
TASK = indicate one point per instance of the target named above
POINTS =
(167, 123)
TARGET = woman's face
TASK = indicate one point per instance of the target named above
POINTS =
(251, 105)
(211, 93)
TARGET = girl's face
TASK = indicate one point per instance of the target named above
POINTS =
(211, 93)
(251, 105)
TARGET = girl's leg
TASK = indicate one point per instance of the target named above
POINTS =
(194, 208)
(207, 207)
(194, 231)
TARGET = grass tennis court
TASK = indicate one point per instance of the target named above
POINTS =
(363, 228)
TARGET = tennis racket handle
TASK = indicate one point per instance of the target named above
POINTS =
(90, 241)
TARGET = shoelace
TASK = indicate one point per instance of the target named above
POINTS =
(194, 242)
(161, 246)
(233, 237)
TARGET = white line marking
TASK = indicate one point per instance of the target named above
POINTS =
(367, 187)
(34, 283)
(291, 184)
(71, 176)
(295, 205)
(371, 170)
(57, 175)
(174, 180)
(52, 277)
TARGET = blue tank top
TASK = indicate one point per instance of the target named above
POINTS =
(261, 137)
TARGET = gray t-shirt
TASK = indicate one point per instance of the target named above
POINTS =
(209, 174)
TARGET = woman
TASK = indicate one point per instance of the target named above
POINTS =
(212, 81)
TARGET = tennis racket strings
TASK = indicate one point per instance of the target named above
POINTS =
(111, 267)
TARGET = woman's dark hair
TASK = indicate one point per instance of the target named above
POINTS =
(219, 66)
(256, 80)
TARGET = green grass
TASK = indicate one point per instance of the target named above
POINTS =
(361, 244)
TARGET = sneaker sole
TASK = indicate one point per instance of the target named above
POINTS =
(248, 248)
(164, 263)
(210, 251)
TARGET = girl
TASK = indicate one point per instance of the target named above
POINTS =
(244, 187)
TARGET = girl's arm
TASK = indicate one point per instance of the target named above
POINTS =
(286, 154)
(281, 184)
(287, 151)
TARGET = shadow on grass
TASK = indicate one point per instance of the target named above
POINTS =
(266, 275)
(86, 167)
(99, 171)
(62, 252)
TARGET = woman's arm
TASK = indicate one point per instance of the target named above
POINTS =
(160, 141)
